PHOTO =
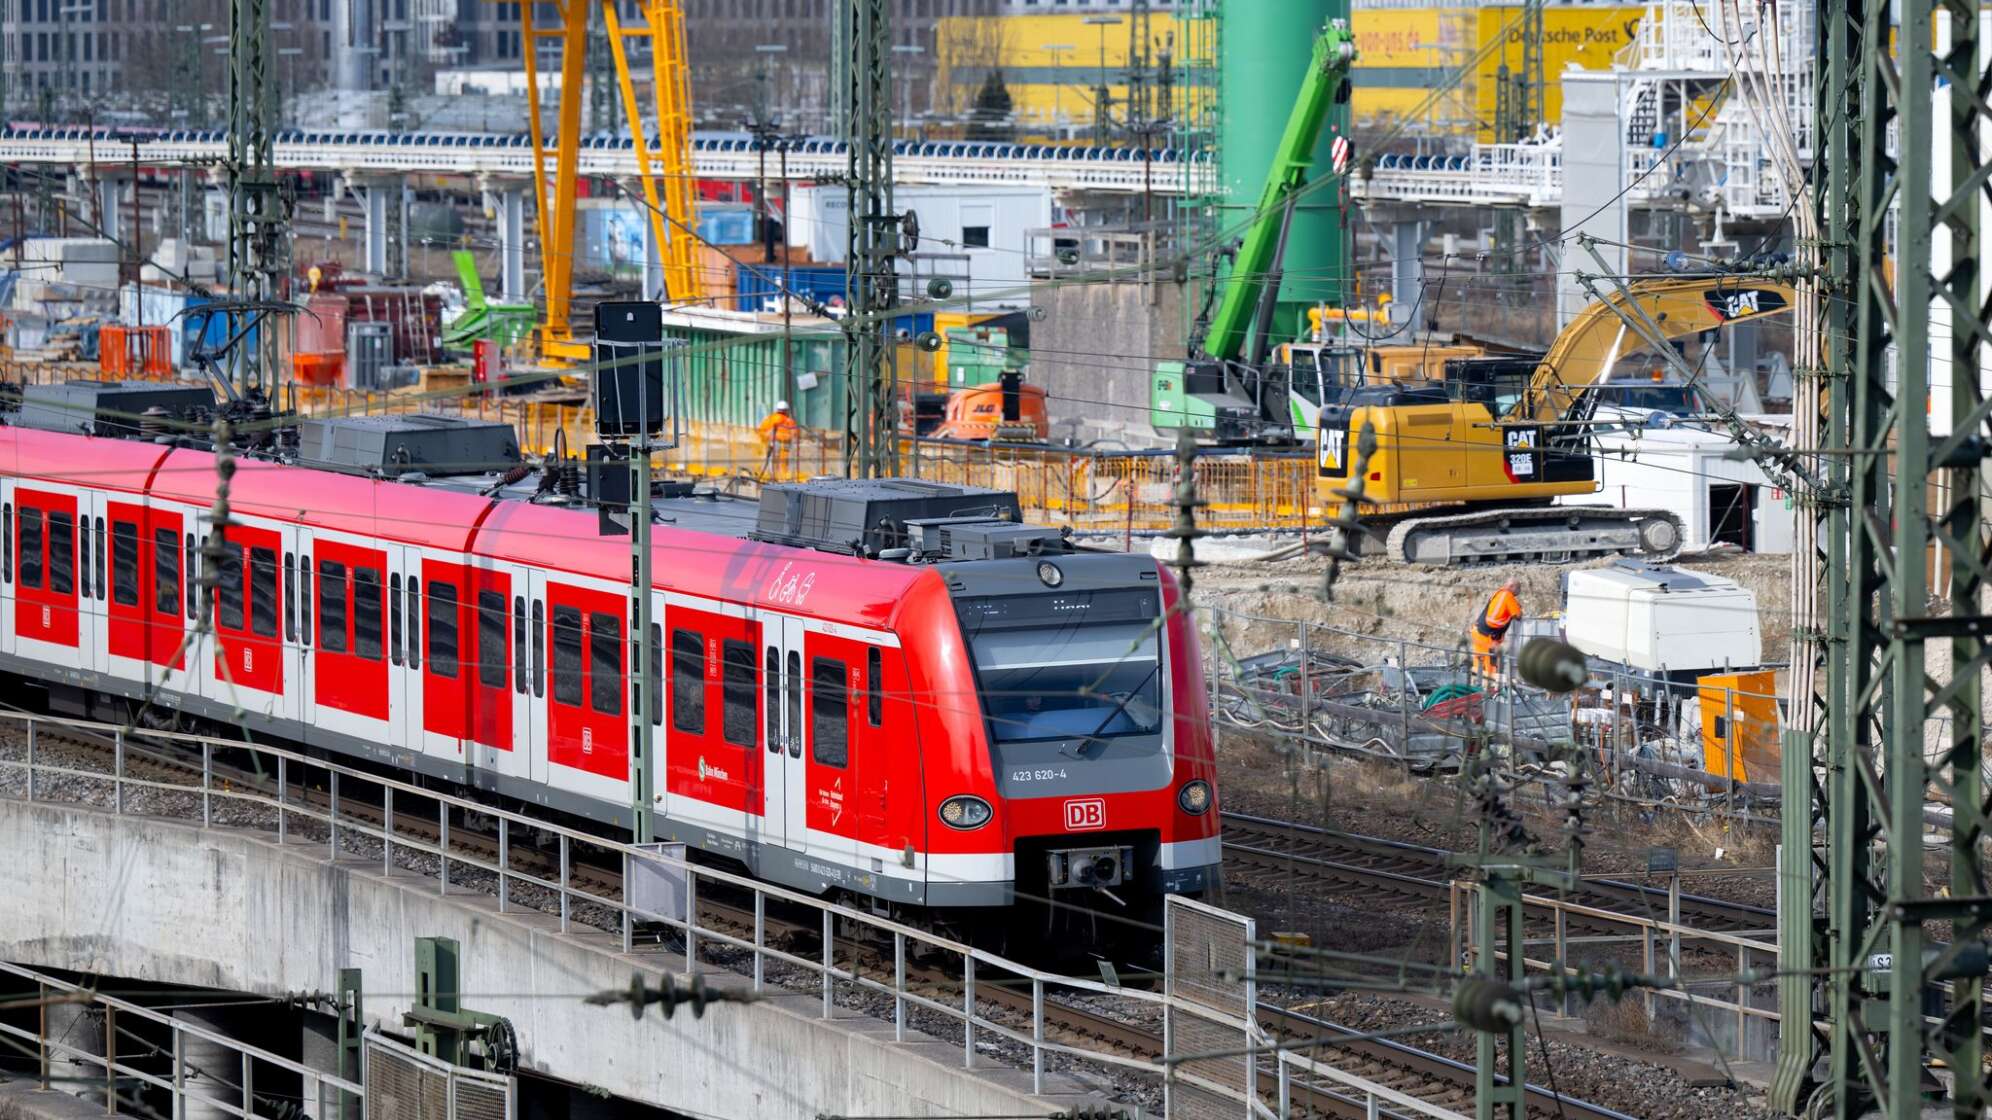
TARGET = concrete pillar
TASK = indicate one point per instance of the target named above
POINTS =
(320, 1050)
(1593, 181)
(75, 1027)
(373, 203)
(507, 206)
(212, 1072)
(110, 212)
(1407, 270)
(403, 226)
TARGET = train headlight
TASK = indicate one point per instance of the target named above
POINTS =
(1049, 574)
(965, 812)
(1194, 797)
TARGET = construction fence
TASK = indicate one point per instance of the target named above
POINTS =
(1101, 492)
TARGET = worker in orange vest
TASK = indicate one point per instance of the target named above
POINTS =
(778, 432)
(1490, 629)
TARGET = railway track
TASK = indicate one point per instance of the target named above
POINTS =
(1393, 870)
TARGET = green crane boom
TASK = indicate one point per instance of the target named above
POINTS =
(1254, 278)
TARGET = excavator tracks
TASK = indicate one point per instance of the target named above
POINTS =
(1545, 534)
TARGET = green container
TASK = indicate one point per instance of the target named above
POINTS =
(736, 376)
(1263, 49)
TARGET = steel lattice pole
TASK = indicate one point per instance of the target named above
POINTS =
(1900, 731)
(871, 446)
(257, 229)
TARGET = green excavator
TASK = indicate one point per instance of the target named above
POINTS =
(1229, 385)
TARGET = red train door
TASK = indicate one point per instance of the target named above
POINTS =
(164, 551)
(348, 605)
(587, 733)
(248, 669)
(490, 660)
(45, 569)
(446, 617)
(126, 621)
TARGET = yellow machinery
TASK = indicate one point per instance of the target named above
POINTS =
(668, 208)
(1504, 436)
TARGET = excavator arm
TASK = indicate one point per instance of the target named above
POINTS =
(1604, 332)
(1255, 274)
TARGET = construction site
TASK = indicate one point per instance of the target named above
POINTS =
(1531, 446)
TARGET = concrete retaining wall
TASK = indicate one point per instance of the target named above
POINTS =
(166, 901)
(1095, 354)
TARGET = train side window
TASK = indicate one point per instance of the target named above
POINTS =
(771, 686)
(83, 530)
(567, 656)
(100, 557)
(491, 639)
(605, 663)
(519, 644)
(539, 648)
(190, 569)
(124, 563)
(736, 693)
(394, 617)
(656, 674)
(263, 592)
(366, 613)
(414, 623)
(304, 600)
(166, 572)
(228, 585)
(792, 683)
(688, 681)
(443, 629)
(331, 606)
(829, 712)
(62, 553)
(7, 528)
(874, 691)
(31, 548)
(290, 597)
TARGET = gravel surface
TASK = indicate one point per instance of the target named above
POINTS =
(1649, 1089)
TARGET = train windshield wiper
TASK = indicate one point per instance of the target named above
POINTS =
(1079, 749)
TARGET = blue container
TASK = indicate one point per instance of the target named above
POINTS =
(721, 224)
(759, 284)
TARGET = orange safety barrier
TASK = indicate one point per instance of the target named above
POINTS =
(135, 352)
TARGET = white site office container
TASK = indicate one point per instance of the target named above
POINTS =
(1656, 618)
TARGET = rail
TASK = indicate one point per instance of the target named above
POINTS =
(317, 792)
(183, 1081)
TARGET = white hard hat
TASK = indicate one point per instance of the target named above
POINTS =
(781, 406)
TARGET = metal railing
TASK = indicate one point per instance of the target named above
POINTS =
(1660, 943)
(347, 806)
(1052, 168)
(342, 806)
(188, 1084)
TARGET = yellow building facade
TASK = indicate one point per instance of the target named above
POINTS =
(1054, 65)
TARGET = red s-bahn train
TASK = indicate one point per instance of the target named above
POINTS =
(890, 689)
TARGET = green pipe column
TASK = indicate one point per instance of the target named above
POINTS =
(1263, 49)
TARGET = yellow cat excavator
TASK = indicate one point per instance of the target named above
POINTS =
(1501, 437)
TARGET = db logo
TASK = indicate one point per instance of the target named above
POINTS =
(1086, 814)
(45, 618)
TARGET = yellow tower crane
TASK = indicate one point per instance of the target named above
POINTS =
(668, 208)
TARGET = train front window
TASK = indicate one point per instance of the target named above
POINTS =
(1082, 665)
